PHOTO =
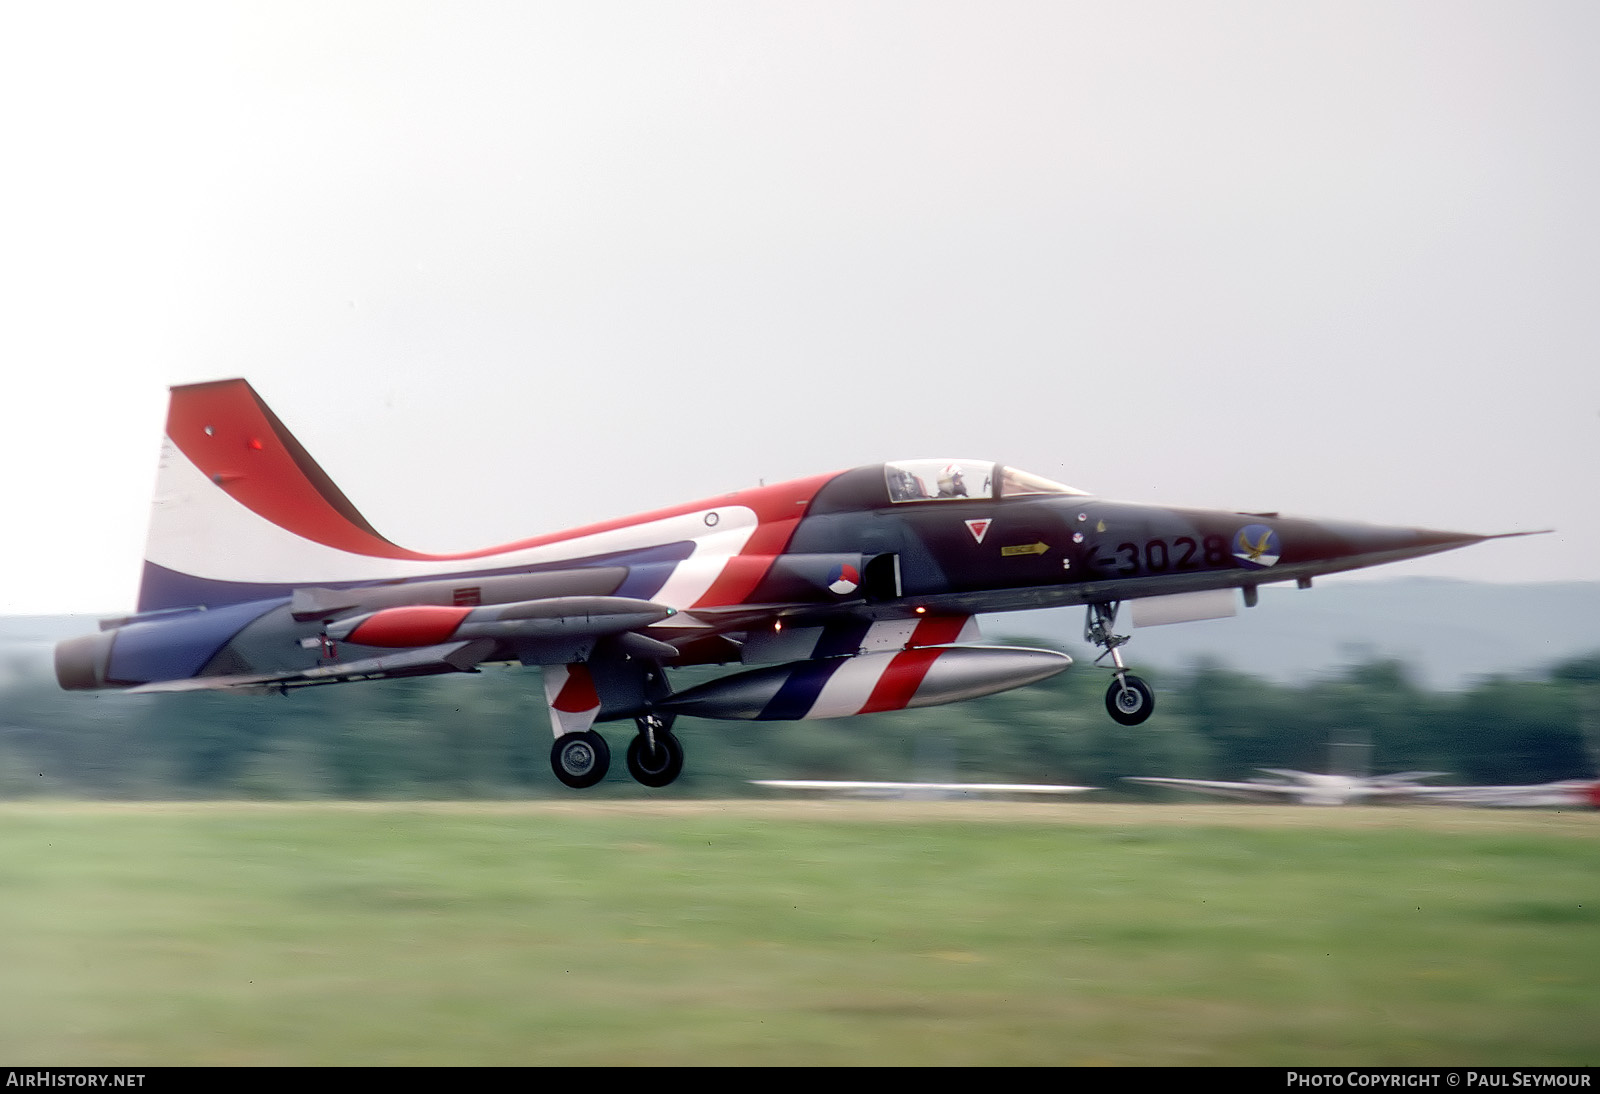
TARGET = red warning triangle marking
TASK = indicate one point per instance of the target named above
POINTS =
(979, 528)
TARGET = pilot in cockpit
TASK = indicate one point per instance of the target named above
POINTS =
(951, 482)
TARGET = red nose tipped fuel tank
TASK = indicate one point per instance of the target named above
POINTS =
(563, 616)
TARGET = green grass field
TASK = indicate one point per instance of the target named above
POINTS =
(796, 933)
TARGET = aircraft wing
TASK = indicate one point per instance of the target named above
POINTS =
(428, 661)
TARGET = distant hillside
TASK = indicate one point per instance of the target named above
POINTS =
(1449, 633)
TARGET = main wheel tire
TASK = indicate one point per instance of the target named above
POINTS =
(658, 766)
(1130, 701)
(580, 759)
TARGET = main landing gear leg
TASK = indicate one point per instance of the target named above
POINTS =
(1129, 700)
(655, 757)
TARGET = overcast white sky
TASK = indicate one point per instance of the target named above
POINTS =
(510, 267)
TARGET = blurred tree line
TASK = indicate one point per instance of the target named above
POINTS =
(487, 735)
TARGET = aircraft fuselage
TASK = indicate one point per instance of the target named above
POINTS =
(854, 590)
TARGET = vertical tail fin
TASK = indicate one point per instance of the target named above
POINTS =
(242, 511)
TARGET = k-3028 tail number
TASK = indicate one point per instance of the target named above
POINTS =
(1160, 556)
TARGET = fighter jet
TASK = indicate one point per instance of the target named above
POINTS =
(844, 593)
(1308, 787)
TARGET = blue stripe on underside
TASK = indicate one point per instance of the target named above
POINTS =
(799, 692)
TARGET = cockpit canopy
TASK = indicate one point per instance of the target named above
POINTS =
(949, 480)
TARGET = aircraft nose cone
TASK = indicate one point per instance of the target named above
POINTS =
(1420, 540)
(1343, 545)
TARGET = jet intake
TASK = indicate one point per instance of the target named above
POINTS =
(837, 687)
(556, 617)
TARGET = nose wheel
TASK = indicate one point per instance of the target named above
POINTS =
(1129, 699)
(655, 758)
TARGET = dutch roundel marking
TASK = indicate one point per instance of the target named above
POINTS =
(1256, 546)
(979, 528)
(844, 579)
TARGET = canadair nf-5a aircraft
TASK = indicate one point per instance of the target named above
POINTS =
(848, 593)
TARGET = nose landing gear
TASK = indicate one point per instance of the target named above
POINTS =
(1129, 699)
(655, 757)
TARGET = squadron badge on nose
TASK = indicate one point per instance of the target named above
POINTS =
(1255, 547)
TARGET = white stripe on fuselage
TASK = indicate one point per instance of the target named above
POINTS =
(850, 686)
(199, 529)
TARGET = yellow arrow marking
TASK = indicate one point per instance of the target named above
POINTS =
(1025, 549)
